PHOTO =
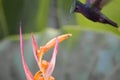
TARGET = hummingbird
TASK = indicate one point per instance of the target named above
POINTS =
(92, 10)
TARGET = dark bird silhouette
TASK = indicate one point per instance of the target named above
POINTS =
(92, 10)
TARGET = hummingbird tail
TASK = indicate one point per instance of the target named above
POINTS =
(111, 23)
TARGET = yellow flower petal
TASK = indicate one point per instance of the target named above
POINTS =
(61, 38)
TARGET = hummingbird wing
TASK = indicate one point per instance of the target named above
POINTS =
(73, 4)
(99, 4)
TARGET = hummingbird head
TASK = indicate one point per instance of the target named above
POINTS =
(78, 6)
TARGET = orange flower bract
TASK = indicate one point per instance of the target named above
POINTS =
(46, 68)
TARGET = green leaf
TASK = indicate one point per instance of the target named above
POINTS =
(42, 14)
(108, 29)
(3, 25)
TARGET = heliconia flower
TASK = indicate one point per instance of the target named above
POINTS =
(46, 68)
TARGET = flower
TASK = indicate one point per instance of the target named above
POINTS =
(46, 68)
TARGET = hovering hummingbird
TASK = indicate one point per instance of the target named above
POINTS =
(92, 10)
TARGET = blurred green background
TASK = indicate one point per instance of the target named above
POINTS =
(92, 53)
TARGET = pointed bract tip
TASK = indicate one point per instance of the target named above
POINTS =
(35, 47)
(28, 74)
(21, 41)
(51, 66)
(69, 35)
